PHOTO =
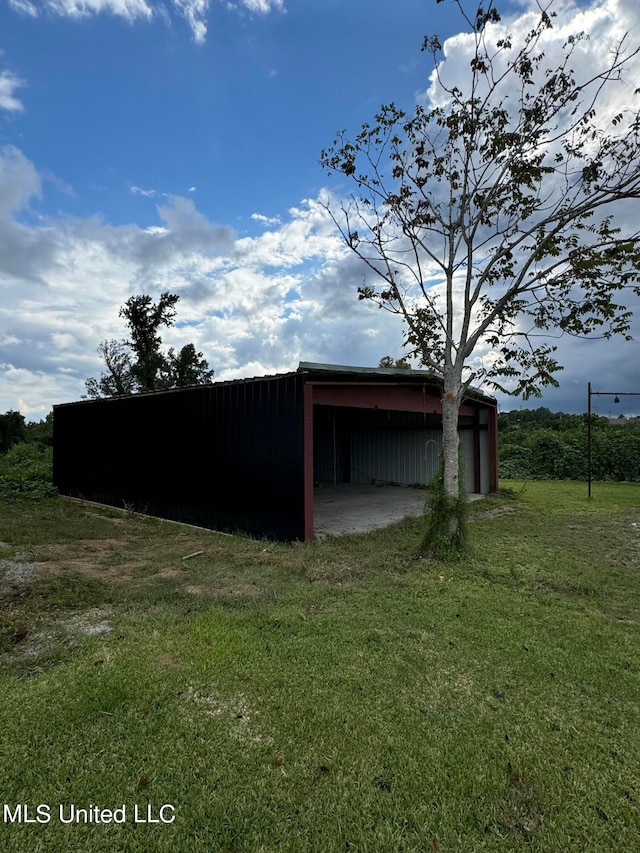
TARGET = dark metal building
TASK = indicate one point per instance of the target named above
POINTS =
(245, 455)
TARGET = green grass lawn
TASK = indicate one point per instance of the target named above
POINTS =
(340, 695)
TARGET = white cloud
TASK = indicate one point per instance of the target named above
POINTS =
(308, 233)
(262, 7)
(252, 305)
(25, 7)
(146, 193)
(19, 180)
(130, 10)
(30, 391)
(606, 22)
(195, 12)
(266, 220)
(9, 82)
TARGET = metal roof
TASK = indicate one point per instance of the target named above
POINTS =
(390, 372)
(313, 367)
(318, 369)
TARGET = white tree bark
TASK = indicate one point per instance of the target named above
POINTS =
(451, 400)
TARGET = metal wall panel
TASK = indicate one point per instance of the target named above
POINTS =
(401, 457)
(484, 462)
(328, 447)
(406, 457)
(467, 457)
(226, 456)
(361, 446)
(433, 451)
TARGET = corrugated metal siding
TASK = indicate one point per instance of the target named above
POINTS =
(484, 462)
(328, 447)
(404, 457)
(467, 457)
(221, 456)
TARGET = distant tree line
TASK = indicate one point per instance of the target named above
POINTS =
(15, 430)
(543, 445)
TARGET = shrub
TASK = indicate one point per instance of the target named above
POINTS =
(26, 472)
(557, 449)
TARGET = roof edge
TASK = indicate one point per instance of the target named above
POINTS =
(311, 368)
(402, 373)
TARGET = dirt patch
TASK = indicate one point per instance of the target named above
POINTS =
(167, 661)
(172, 573)
(116, 520)
(496, 512)
(235, 712)
(90, 623)
(91, 557)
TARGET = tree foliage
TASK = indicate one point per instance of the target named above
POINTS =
(26, 472)
(144, 319)
(25, 457)
(12, 430)
(489, 218)
(40, 433)
(187, 367)
(439, 540)
(395, 363)
(139, 363)
(118, 378)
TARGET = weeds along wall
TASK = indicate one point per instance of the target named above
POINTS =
(228, 456)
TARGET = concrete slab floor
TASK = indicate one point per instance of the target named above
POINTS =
(354, 508)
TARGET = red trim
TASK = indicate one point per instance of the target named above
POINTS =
(492, 441)
(400, 398)
(308, 460)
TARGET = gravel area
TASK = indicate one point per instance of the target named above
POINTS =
(17, 571)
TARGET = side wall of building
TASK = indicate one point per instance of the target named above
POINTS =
(226, 456)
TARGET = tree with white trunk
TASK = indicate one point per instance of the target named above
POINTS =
(496, 214)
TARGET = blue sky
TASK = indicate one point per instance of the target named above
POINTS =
(174, 146)
(111, 104)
